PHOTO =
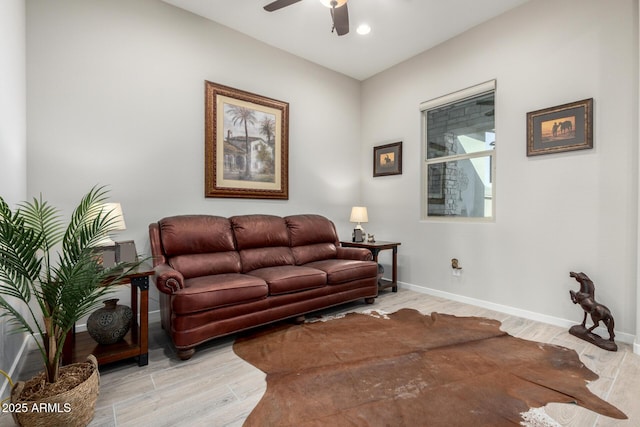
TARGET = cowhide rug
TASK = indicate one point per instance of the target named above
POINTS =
(410, 369)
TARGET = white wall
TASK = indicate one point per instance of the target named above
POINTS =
(555, 213)
(13, 149)
(13, 128)
(116, 96)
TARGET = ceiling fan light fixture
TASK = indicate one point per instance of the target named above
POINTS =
(333, 3)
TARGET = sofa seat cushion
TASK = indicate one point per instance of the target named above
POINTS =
(344, 270)
(290, 278)
(218, 290)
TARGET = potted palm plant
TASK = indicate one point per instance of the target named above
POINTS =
(51, 269)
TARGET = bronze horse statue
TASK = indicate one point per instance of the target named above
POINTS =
(587, 300)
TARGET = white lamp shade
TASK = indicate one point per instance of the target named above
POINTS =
(359, 214)
(115, 216)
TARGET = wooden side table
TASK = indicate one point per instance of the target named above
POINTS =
(375, 248)
(135, 344)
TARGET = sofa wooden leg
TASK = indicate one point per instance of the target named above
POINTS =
(185, 354)
(369, 300)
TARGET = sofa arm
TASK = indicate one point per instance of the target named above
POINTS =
(168, 280)
(360, 254)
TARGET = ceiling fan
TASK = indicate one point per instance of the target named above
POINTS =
(339, 12)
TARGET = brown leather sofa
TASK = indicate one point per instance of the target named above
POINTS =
(221, 275)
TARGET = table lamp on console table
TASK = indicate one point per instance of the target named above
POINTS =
(106, 247)
(358, 215)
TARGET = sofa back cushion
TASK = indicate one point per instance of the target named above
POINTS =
(199, 245)
(262, 241)
(313, 238)
(195, 234)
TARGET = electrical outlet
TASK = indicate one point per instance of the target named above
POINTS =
(455, 267)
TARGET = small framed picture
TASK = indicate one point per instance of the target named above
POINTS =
(387, 159)
(357, 235)
(126, 251)
(565, 127)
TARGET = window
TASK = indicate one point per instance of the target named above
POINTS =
(459, 154)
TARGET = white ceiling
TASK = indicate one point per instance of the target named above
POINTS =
(400, 28)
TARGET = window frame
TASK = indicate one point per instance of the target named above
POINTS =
(425, 107)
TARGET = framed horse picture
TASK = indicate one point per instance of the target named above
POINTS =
(387, 159)
(562, 128)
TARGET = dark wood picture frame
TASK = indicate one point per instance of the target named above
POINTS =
(562, 128)
(244, 129)
(387, 159)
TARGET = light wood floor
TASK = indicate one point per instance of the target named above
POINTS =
(217, 388)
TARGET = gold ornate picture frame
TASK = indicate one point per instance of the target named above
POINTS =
(246, 144)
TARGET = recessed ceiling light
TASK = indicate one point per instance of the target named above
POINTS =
(363, 29)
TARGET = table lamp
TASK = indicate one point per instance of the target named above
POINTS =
(116, 218)
(359, 215)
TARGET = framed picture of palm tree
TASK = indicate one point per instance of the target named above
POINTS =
(246, 144)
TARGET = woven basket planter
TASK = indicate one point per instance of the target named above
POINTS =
(72, 408)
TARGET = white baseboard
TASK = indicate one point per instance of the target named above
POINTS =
(17, 363)
(154, 316)
(531, 315)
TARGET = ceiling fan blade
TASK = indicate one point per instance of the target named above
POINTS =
(340, 17)
(279, 4)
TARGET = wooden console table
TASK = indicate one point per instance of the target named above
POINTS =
(375, 248)
(135, 344)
